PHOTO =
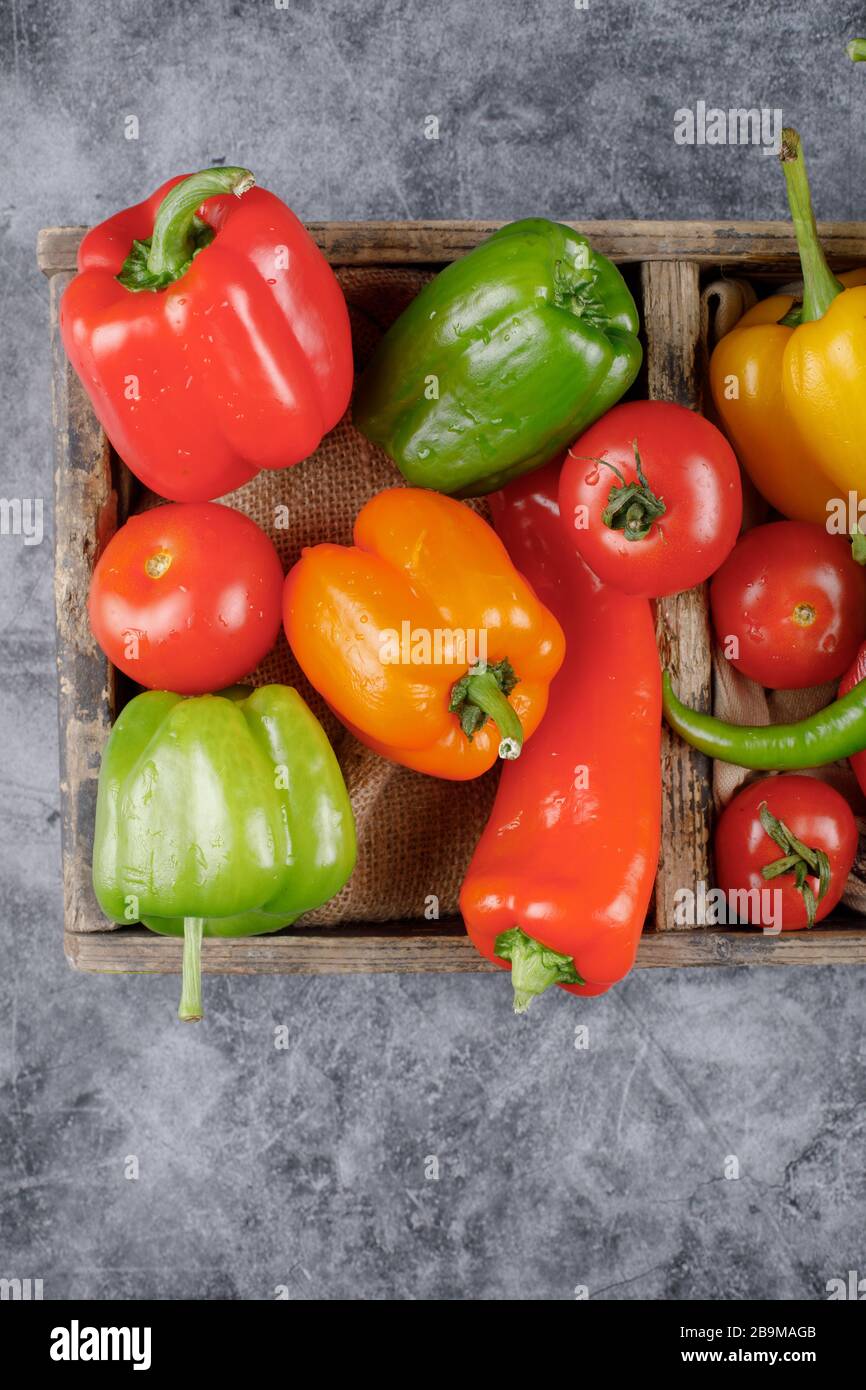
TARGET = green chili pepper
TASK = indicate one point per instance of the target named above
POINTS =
(834, 732)
(501, 361)
(221, 815)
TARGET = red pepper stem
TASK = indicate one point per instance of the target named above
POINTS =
(483, 690)
(171, 246)
(820, 286)
(190, 1010)
(534, 968)
(856, 50)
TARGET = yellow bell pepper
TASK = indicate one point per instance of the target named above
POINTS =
(789, 381)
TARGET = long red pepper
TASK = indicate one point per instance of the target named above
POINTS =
(560, 883)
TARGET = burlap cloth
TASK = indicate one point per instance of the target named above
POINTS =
(735, 698)
(416, 834)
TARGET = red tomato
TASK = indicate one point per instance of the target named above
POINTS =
(856, 672)
(816, 815)
(186, 597)
(789, 605)
(670, 534)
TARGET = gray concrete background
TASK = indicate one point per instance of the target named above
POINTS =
(306, 1167)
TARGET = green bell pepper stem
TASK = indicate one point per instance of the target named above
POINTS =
(190, 1010)
(856, 50)
(820, 286)
(534, 968)
(833, 733)
(483, 690)
(171, 246)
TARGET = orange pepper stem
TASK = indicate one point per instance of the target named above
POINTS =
(534, 968)
(483, 692)
(820, 286)
(632, 508)
(856, 50)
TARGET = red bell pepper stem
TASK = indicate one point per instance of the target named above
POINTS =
(171, 246)
(820, 286)
(534, 968)
(190, 1010)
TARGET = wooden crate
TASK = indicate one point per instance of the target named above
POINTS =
(91, 498)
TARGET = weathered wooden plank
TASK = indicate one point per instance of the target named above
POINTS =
(762, 245)
(442, 950)
(85, 508)
(671, 311)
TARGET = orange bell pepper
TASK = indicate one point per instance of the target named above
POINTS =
(789, 382)
(422, 636)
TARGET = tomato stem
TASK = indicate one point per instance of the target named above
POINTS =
(631, 507)
(158, 564)
(804, 615)
(797, 858)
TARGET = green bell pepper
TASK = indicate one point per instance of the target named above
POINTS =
(501, 361)
(221, 815)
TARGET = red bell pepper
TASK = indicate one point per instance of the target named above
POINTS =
(561, 880)
(210, 333)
